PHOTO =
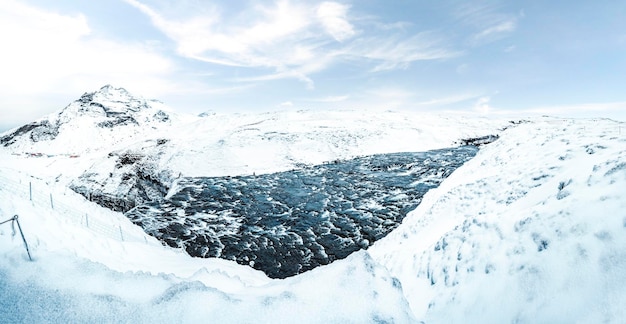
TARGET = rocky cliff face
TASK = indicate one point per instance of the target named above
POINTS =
(127, 178)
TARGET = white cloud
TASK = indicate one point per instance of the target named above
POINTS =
(462, 68)
(391, 93)
(447, 100)
(41, 47)
(255, 42)
(494, 32)
(510, 49)
(333, 17)
(486, 21)
(482, 105)
(293, 39)
(395, 52)
(286, 104)
(48, 55)
(330, 99)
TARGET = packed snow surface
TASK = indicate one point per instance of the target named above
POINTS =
(532, 229)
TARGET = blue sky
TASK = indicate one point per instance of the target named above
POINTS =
(488, 57)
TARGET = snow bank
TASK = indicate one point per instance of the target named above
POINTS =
(533, 229)
(56, 288)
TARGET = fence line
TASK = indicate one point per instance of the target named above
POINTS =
(45, 198)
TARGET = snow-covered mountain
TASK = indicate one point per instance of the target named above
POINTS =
(532, 229)
(117, 134)
(96, 120)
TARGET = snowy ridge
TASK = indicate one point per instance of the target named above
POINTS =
(233, 145)
(531, 230)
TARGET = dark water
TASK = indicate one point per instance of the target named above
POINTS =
(290, 222)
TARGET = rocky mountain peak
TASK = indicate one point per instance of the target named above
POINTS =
(109, 101)
(107, 107)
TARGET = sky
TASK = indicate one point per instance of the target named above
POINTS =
(565, 58)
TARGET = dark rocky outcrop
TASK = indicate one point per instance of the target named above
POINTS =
(38, 131)
(136, 178)
(479, 141)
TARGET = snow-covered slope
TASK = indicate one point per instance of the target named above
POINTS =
(533, 229)
(113, 120)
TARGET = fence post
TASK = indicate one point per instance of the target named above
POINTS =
(121, 234)
(51, 203)
(23, 238)
(87, 220)
(30, 190)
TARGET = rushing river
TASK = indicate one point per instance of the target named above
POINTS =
(290, 222)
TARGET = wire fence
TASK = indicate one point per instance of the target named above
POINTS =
(40, 195)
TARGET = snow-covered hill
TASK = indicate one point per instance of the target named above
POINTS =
(130, 153)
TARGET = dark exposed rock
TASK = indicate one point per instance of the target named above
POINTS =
(10, 139)
(128, 158)
(120, 120)
(161, 116)
(87, 97)
(135, 177)
(479, 141)
(39, 131)
(119, 204)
